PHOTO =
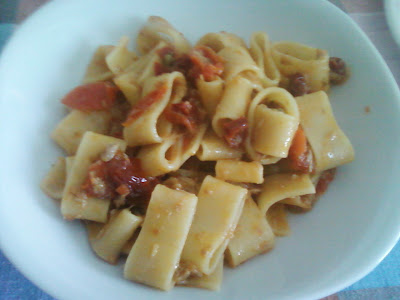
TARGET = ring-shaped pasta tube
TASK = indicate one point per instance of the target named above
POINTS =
(155, 254)
(69, 131)
(210, 93)
(252, 236)
(213, 148)
(98, 70)
(238, 62)
(158, 29)
(120, 58)
(239, 171)
(330, 146)
(273, 119)
(218, 211)
(111, 238)
(210, 282)
(171, 154)
(261, 51)
(234, 103)
(277, 219)
(54, 181)
(157, 93)
(220, 40)
(130, 82)
(313, 63)
(278, 187)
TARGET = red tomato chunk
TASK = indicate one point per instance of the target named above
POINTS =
(300, 155)
(235, 131)
(119, 176)
(206, 63)
(146, 102)
(201, 61)
(91, 97)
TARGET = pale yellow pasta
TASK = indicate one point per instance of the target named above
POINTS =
(210, 282)
(210, 93)
(144, 67)
(277, 219)
(304, 202)
(238, 61)
(97, 70)
(330, 146)
(170, 155)
(128, 85)
(218, 211)
(126, 249)
(69, 161)
(157, 250)
(93, 228)
(234, 103)
(220, 40)
(252, 236)
(297, 201)
(239, 171)
(261, 51)
(212, 148)
(214, 153)
(120, 58)
(112, 237)
(54, 181)
(281, 186)
(74, 204)
(145, 129)
(313, 63)
(273, 131)
(158, 29)
(132, 79)
(68, 133)
(273, 119)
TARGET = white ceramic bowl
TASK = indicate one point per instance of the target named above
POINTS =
(392, 13)
(348, 233)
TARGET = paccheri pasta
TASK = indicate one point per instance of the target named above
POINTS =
(184, 157)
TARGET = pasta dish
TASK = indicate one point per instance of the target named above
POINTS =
(182, 158)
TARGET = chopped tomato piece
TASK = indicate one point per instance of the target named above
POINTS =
(206, 62)
(171, 61)
(182, 114)
(187, 113)
(118, 176)
(235, 131)
(300, 158)
(96, 184)
(125, 171)
(299, 144)
(92, 97)
(146, 102)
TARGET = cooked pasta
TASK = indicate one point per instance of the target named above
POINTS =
(182, 159)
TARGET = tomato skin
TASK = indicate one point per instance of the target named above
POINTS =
(299, 153)
(92, 97)
(235, 131)
(188, 113)
(201, 61)
(146, 102)
(206, 63)
(120, 175)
